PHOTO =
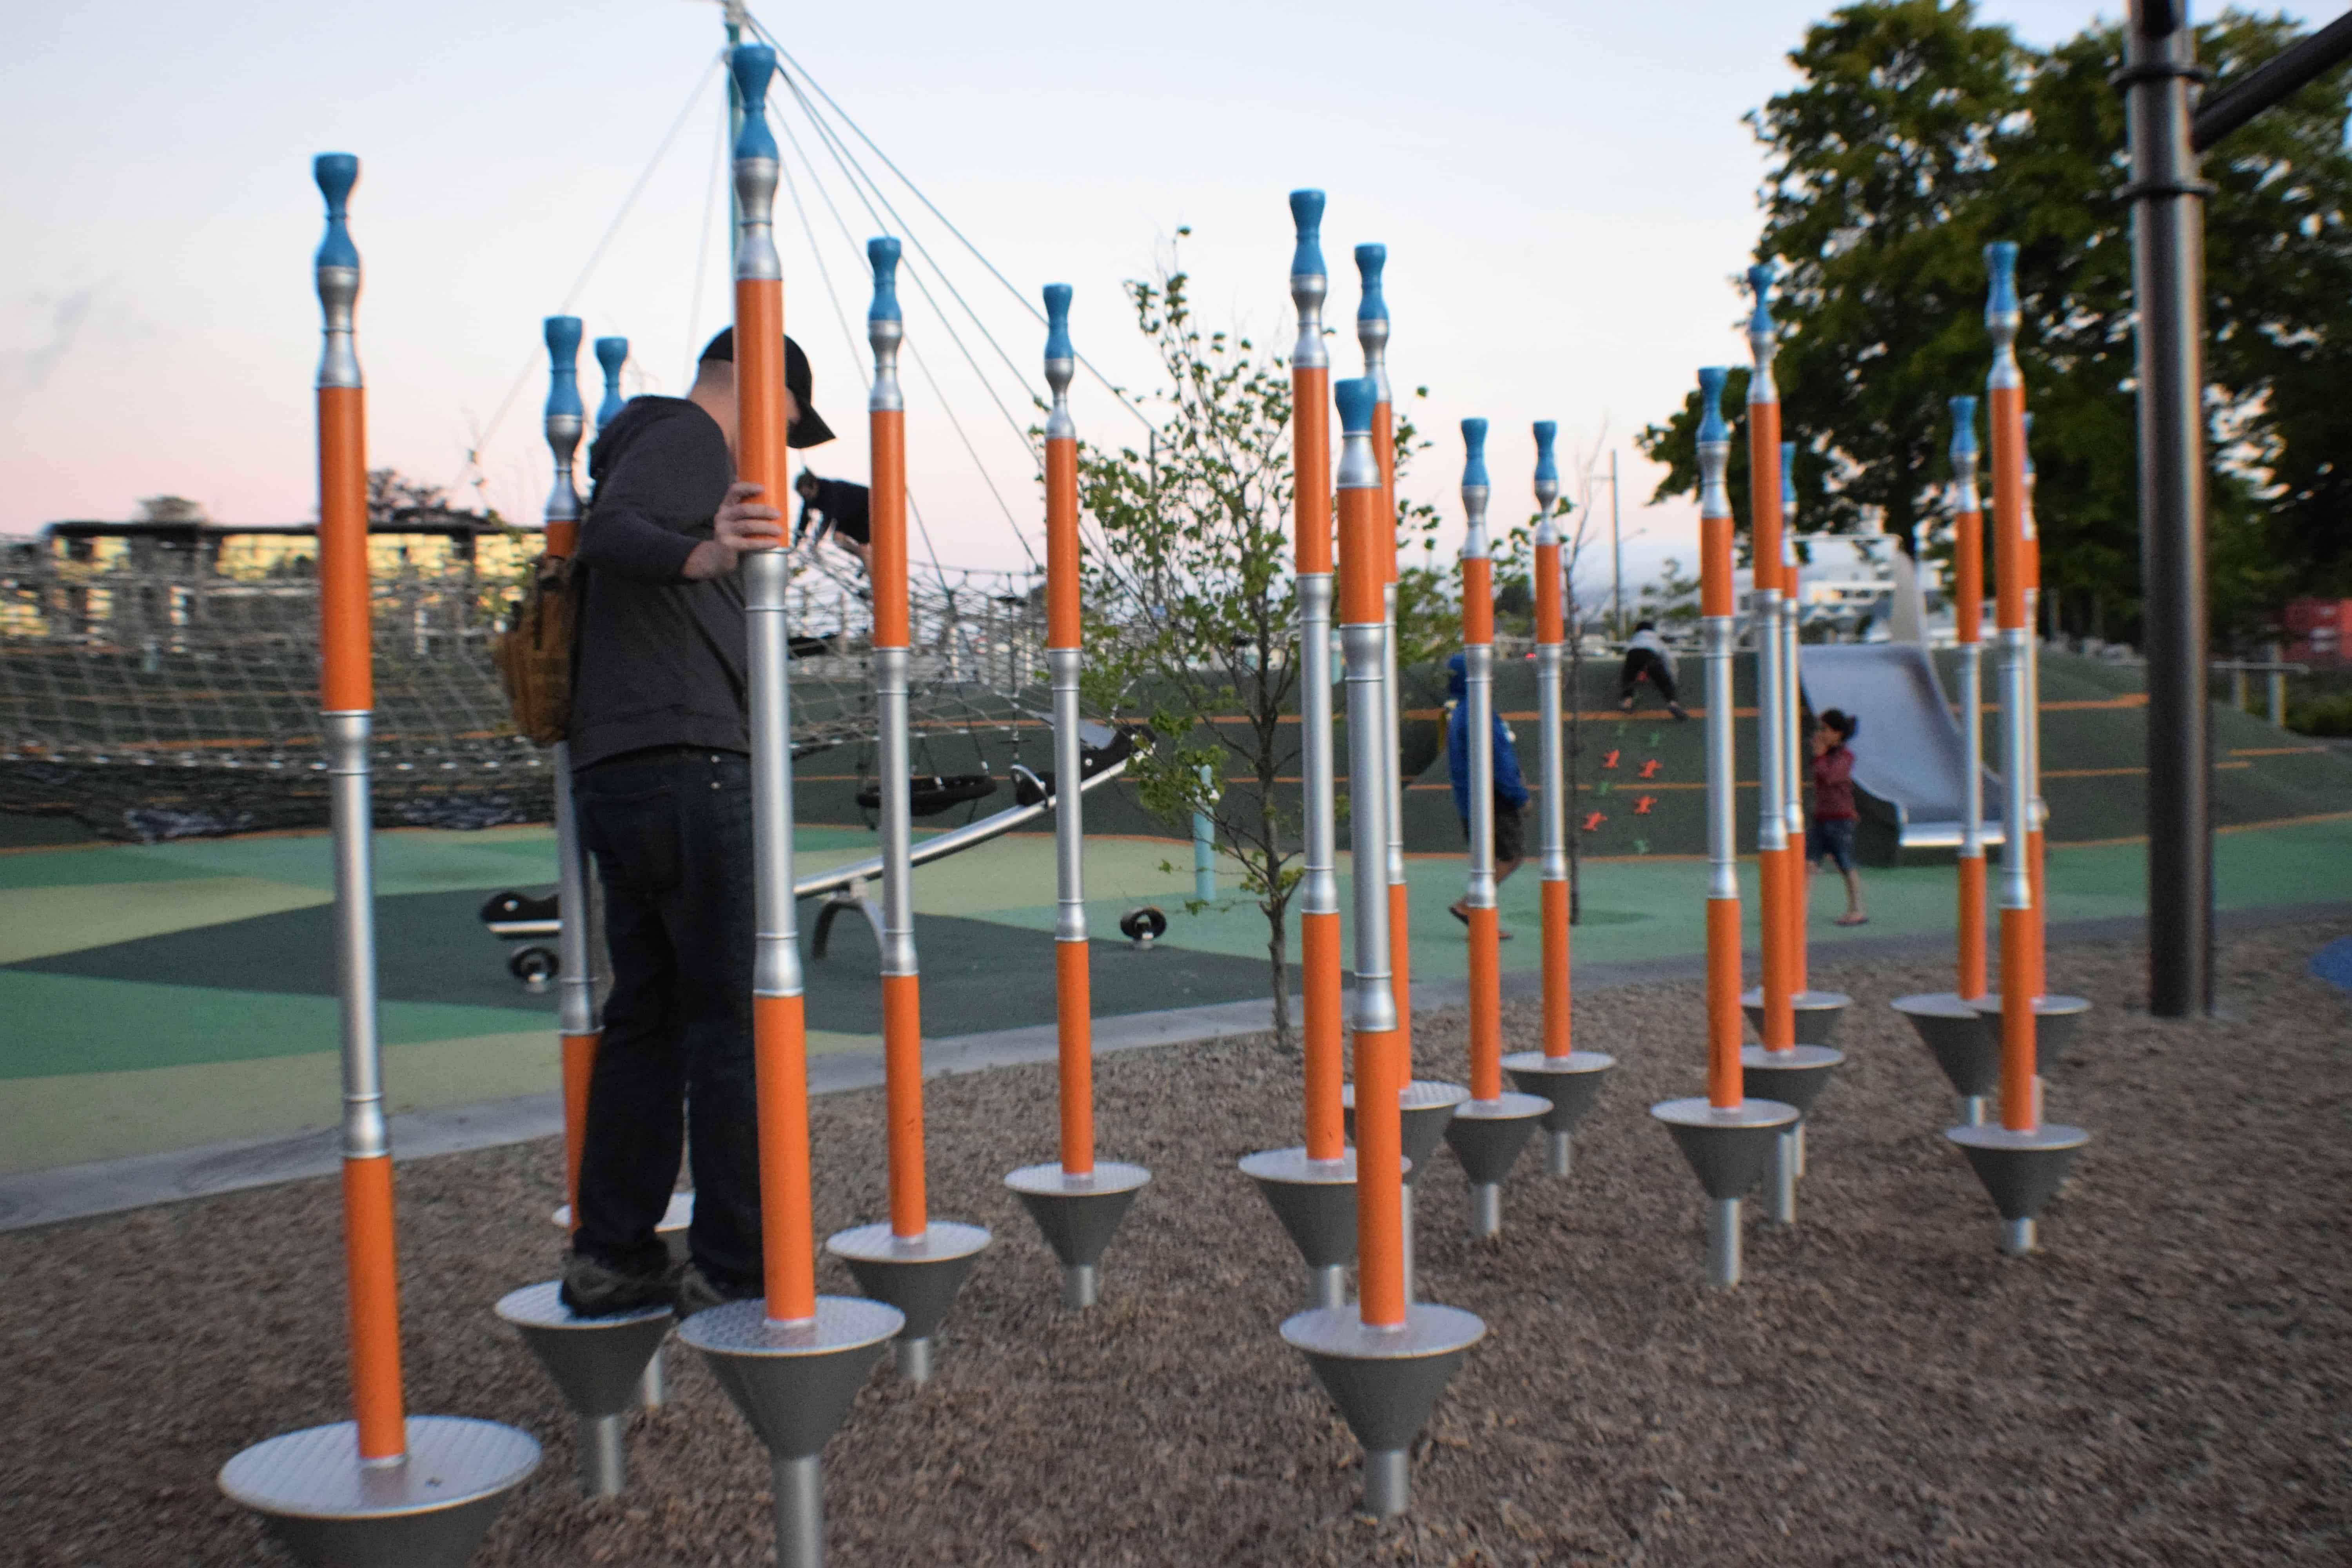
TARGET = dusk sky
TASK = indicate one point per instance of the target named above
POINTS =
(1566, 190)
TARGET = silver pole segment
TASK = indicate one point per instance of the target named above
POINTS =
(1081, 1285)
(1372, 333)
(1616, 553)
(776, 970)
(1723, 1242)
(1478, 661)
(565, 419)
(1771, 729)
(2017, 1238)
(895, 758)
(1364, 651)
(1793, 685)
(797, 1489)
(1551, 657)
(604, 1455)
(1559, 1153)
(1318, 891)
(1783, 1176)
(912, 1358)
(1326, 1287)
(2040, 810)
(2016, 793)
(366, 1136)
(1387, 1482)
(1485, 1209)
(2169, 285)
(1062, 663)
(1719, 637)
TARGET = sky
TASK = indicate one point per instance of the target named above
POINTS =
(1566, 190)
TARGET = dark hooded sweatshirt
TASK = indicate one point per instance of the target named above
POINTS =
(661, 659)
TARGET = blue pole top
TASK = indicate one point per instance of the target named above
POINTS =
(1788, 476)
(612, 353)
(1370, 261)
(1711, 426)
(882, 254)
(2001, 257)
(1547, 470)
(753, 64)
(1761, 279)
(1355, 398)
(1057, 322)
(336, 174)
(562, 334)
(1964, 427)
(1307, 211)
(1474, 442)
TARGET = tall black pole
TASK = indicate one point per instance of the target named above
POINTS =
(2169, 285)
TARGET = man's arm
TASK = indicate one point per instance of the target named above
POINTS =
(626, 532)
(1508, 783)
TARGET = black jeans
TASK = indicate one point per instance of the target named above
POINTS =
(671, 832)
(1642, 661)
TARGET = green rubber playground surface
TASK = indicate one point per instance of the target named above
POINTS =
(160, 997)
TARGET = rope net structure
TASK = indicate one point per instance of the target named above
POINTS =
(159, 687)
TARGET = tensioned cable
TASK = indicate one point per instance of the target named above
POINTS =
(841, 316)
(473, 457)
(916, 278)
(798, 69)
(913, 353)
(702, 254)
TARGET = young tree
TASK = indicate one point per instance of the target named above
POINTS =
(1913, 136)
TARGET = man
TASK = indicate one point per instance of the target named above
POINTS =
(841, 506)
(662, 775)
(1510, 790)
(1646, 654)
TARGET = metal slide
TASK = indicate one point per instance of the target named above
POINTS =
(1909, 769)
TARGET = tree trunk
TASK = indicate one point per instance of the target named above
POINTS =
(1276, 952)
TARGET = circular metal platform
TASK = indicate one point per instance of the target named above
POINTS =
(2055, 1017)
(429, 1506)
(1428, 1330)
(1425, 1105)
(744, 1329)
(541, 1306)
(1817, 1013)
(943, 1241)
(1794, 1077)
(1050, 1180)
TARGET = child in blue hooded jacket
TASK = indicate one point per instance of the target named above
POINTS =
(1510, 789)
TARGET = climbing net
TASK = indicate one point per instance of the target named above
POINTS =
(168, 693)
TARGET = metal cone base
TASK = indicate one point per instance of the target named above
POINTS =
(1794, 1077)
(2020, 1170)
(2055, 1019)
(1313, 1199)
(1955, 1035)
(1728, 1148)
(1385, 1381)
(429, 1509)
(1572, 1083)
(1486, 1135)
(1079, 1214)
(793, 1382)
(1818, 1014)
(1425, 1107)
(595, 1362)
(918, 1275)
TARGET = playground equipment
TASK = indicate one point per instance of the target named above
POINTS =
(2023, 1160)
(602, 1365)
(913, 1262)
(1427, 1105)
(612, 355)
(1488, 1130)
(1078, 1204)
(1312, 1187)
(1385, 1361)
(793, 1362)
(1782, 1069)
(1948, 1021)
(1728, 1137)
(384, 1487)
(1569, 1078)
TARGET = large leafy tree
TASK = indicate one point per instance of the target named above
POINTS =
(1915, 135)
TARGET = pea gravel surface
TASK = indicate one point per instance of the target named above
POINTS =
(2169, 1382)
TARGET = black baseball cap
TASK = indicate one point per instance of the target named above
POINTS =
(810, 429)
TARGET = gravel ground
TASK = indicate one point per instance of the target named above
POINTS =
(2170, 1380)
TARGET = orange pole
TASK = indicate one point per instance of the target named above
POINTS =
(1400, 902)
(2019, 981)
(1716, 608)
(1382, 1063)
(1323, 1024)
(778, 1018)
(1551, 631)
(1773, 886)
(346, 700)
(1968, 619)
(1485, 928)
(1074, 1005)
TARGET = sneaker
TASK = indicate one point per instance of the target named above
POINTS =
(698, 1291)
(593, 1287)
(1677, 709)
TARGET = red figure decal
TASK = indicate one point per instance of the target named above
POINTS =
(1650, 769)
(1592, 821)
(1610, 761)
(1642, 805)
